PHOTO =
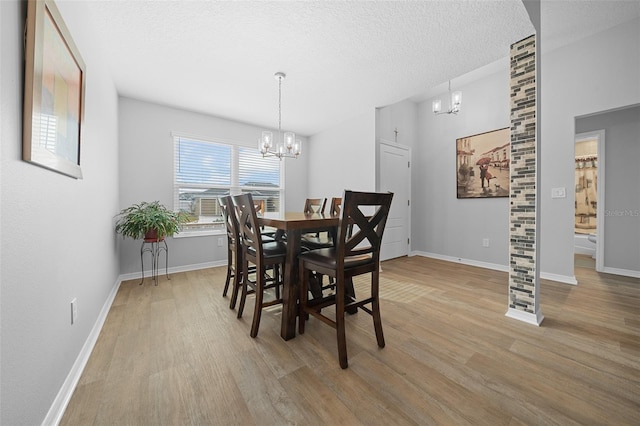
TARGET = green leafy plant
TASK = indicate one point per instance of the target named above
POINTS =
(139, 219)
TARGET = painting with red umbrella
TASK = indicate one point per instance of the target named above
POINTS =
(482, 164)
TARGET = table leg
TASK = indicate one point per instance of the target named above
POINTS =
(290, 287)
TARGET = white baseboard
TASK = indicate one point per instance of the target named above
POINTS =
(494, 266)
(618, 271)
(470, 262)
(565, 279)
(174, 270)
(59, 405)
(529, 318)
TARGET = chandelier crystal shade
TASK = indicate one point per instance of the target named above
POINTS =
(286, 146)
(455, 101)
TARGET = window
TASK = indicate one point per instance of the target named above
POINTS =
(205, 171)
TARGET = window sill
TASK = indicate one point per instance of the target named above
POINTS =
(200, 233)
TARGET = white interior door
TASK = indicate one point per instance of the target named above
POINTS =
(395, 176)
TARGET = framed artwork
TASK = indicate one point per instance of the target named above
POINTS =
(482, 164)
(53, 92)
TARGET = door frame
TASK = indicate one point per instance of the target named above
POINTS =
(600, 136)
(408, 183)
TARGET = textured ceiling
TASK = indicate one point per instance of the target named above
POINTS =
(341, 58)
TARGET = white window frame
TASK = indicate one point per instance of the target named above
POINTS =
(234, 188)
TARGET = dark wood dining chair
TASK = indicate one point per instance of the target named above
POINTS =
(336, 204)
(234, 250)
(233, 247)
(315, 205)
(357, 252)
(312, 240)
(323, 239)
(315, 240)
(334, 210)
(263, 255)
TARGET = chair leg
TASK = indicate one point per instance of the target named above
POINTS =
(226, 283)
(237, 283)
(375, 309)
(340, 326)
(332, 283)
(244, 285)
(313, 285)
(276, 276)
(303, 296)
(259, 293)
(238, 277)
(350, 293)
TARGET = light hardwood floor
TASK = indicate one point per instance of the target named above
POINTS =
(176, 354)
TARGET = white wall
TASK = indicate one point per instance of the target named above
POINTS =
(595, 74)
(442, 225)
(598, 73)
(146, 173)
(402, 116)
(56, 235)
(622, 192)
(343, 157)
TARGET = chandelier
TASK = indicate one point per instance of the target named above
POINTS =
(455, 101)
(286, 145)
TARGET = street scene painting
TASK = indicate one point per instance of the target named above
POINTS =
(482, 164)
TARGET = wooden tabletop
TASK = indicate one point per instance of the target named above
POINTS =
(298, 220)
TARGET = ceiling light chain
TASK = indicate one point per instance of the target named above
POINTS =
(284, 147)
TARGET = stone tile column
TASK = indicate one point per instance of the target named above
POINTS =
(524, 292)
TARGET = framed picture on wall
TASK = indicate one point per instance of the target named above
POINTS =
(482, 164)
(53, 93)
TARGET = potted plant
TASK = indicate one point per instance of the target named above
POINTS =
(151, 221)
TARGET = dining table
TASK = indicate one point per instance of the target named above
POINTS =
(294, 225)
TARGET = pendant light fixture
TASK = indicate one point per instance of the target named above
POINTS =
(455, 101)
(286, 146)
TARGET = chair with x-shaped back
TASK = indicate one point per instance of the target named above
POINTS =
(357, 252)
(314, 205)
(262, 254)
(234, 250)
(336, 204)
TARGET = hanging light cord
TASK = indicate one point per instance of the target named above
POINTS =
(279, 106)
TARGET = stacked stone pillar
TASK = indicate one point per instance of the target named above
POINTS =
(524, 303)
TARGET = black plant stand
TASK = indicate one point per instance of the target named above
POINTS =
(154, 246)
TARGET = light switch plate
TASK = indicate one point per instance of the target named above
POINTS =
(559, 192)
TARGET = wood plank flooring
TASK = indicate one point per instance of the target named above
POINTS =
(175, 354)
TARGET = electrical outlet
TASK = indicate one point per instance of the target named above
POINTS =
(219, 242)
(485, 242)
(74, 310)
